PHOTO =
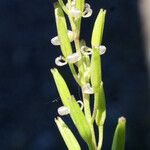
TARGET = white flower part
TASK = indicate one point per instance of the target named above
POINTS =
(81, 103)
(73, 58)
(87, 89)
(87, 13)
(76, 13)
(70, 35)
(87, 5)
(73, 3)
(78, 76)
(85, 50)
(67, 6)
(59, 61)
(63, 111)
(102, 49)
(55, 41)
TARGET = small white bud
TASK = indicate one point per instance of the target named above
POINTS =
(87, 13)
(73, 58)
(70, 35)
(73, 3)
(59, 61)
(102, 49)
(55, 41)
(63, 110)
(87, 89)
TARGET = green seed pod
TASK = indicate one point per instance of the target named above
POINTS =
(100, 106)
(62, 31)
(67, 135)
(119, 136)
(61, 87)
(96, 76)
(98, 29)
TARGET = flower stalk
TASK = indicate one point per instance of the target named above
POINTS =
(85, 65)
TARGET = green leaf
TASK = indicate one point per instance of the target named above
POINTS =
(62, 31)
(98, 29)
(119, 136)
(68, 137)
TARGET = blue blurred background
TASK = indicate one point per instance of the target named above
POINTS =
(27, 91)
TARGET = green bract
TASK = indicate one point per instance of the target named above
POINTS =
(119, 136)
(62, 31)
(85, 65)
(80, 121)
(67, 135)
(62, 87)
(69, 101)
(98, 29)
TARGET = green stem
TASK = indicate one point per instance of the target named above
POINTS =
(100, 129)
(87, 111)
(73, 71)
(92, 146)
(63, 7)
(76, 29)
(87, 106)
